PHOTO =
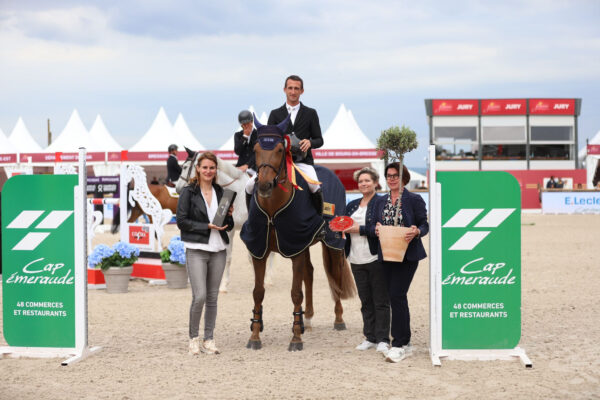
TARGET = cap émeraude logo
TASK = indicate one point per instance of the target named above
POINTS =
(466, 216)
(27, 218)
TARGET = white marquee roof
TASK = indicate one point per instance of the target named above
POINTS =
(22, 139)
(594, 140)
(344, 133)
(102, 136)
(5, 144)
(159, 136)
(185, 136)
(73, 136)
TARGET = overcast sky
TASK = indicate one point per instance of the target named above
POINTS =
(209, 60)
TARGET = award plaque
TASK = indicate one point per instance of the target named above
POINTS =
(341, 223)
(224, 204)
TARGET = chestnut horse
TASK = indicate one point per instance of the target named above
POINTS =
(273, 193)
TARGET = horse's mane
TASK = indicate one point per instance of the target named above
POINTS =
(229, 169)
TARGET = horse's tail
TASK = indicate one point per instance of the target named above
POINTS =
(337, 269)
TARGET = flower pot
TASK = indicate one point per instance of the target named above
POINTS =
(393, 245)
(117, 279)
(176, 274)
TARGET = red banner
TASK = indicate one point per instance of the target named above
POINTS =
(349, 153)
(62, 157)
(8, 158)
(552, 106)
(455, 107)
(504, 107)
(593, 148)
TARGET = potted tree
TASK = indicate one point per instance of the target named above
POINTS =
(173, 264)
(116, 264)
(394, 143)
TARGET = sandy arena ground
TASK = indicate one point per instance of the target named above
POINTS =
(143, 335)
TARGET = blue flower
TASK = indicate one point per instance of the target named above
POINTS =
(120, 255)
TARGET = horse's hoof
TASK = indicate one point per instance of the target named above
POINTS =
(340, 327)
(296, 346)
(254, 345)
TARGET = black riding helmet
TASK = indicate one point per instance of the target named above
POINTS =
(245, 116)
(172, 147)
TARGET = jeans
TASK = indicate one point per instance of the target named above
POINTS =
(375, 304)
(205, 270)
(399, 277)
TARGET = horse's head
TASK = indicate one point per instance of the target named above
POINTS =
(187, 169)
(270, 154)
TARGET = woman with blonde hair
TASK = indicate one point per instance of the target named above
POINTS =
(205, 248)
(361, 251)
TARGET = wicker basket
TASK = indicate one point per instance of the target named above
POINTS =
(393, 244)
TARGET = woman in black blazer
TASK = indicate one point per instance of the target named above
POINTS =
(205, 246)
(401, 207)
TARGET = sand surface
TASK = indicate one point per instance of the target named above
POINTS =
(143, 335)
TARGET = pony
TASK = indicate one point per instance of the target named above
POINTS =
(272, 198)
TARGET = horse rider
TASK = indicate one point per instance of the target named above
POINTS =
(173, 167)
(244, 141)
(304, 129)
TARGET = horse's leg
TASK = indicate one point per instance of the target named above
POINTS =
(135, 214)
(308, 289)
(256, 326)
(269, 274)
(229, 250)
(298, 263)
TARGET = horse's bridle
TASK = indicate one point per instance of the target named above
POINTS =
(277, 171)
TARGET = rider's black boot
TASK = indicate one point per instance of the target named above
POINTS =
(317, 201)
(248, 199)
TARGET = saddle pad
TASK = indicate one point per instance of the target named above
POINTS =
(172, 191)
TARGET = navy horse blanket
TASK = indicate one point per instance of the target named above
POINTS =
(297, 223)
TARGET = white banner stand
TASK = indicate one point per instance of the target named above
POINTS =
(81, 349)
(435, 288)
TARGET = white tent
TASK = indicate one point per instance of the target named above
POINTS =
(22, 139)
(185, 136)
(100, 135)
(344, 133)
(583, 150)
(159, 136)
(73, 136)
(6, 145)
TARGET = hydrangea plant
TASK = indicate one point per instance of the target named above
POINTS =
(120, 255)
(174, 253)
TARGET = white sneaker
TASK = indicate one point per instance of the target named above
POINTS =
(194, 347)
(396, 354)
(383, 348)
(408, 350)
(365, 345)
(209, 347)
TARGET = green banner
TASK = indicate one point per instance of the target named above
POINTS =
(38, 256)
(481, 260)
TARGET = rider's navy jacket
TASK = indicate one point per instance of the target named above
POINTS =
(369, 220)
(173, 168)
(192, 216)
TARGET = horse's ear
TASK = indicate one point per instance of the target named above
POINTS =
(190, 152)
(257, 122)
(283, 124)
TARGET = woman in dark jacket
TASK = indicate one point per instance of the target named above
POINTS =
(401, 207)
(361, 250)
(205, 248)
